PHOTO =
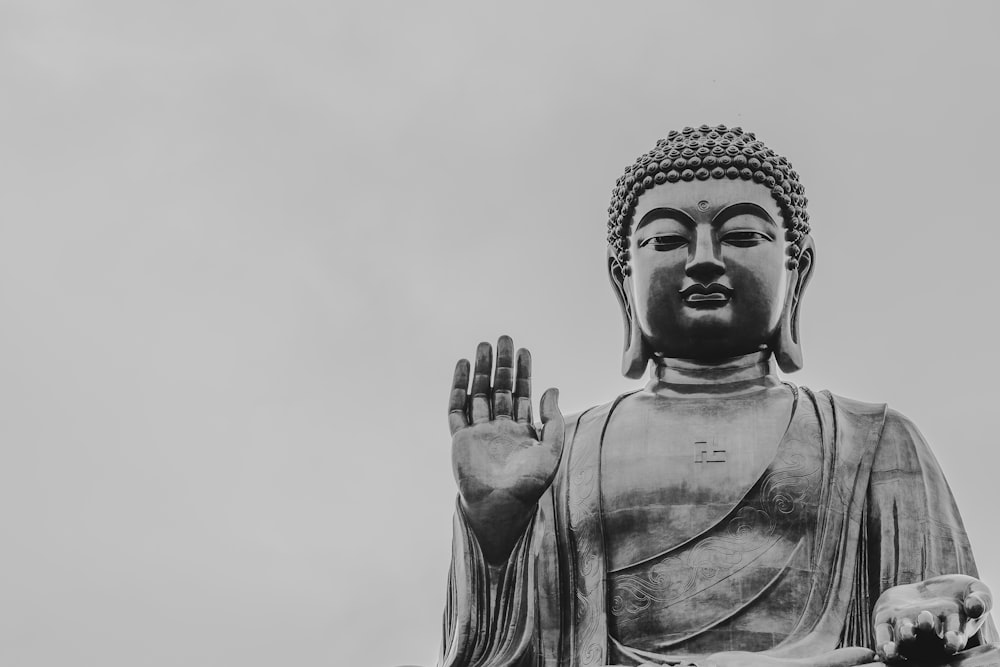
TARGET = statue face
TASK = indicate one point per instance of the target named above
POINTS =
(708, 268)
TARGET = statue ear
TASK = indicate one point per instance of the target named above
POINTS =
(787, 345)
(636, 356)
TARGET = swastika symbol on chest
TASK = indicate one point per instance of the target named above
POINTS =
(708, 452)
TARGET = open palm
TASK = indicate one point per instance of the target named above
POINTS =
(502, 463)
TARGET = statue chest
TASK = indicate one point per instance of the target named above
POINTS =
(691, 545)
(672, 468)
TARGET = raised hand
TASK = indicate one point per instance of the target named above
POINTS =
(501, 463)
(930, 620)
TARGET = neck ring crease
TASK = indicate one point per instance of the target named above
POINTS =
(738, 375)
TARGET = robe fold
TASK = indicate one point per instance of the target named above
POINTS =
(853, 503)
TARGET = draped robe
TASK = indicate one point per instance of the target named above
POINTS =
(853, 503)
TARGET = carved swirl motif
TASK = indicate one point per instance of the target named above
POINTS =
(585, 527)
(750, 532)
(583, 486)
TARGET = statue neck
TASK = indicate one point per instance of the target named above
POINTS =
(737, 376)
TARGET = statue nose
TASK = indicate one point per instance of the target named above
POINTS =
(704, 261)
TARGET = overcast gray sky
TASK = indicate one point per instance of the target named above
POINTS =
(244, 243)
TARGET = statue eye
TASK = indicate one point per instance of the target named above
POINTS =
(745, 238)
(664, 242)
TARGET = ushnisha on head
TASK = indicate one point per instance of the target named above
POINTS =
(710, 210)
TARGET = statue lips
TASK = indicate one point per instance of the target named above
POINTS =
(714, 295)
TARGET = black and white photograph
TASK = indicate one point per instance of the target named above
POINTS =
(499, 334)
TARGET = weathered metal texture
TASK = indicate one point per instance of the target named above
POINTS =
(718, 516)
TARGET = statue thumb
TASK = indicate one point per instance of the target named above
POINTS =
(553, 425)
(550, 405)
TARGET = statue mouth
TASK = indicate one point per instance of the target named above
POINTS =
(715, 295)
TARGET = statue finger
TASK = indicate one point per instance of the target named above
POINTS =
(954, 638)
(503, 379)
(928, 623)
(484, 368)
(522, 410)
(890, 651)
(955, 641)
(480, 408)
(906, 629)
(522, 387)
(884, 643)
(503, 405)
(979, 600)
(457, 416)
(952, 623)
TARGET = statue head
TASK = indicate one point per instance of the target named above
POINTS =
(709, 250)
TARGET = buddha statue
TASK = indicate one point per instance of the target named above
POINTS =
(719, 515)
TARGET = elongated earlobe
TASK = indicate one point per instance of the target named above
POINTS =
(787, 344)
(636, 355)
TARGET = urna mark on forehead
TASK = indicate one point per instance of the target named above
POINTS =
(705, 154)
(704, 200)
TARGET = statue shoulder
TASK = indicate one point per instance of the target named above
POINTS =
(899, 443)
(903, 448)
(591, 418)
(855, 409)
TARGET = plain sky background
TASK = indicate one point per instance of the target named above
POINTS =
(244, 242)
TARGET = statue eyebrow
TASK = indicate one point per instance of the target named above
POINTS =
(665, 212)
(721, 217)
(733, 210)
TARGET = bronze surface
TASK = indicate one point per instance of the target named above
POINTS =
(718, 516)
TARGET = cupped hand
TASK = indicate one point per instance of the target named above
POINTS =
(502, 464)
(930, 620)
